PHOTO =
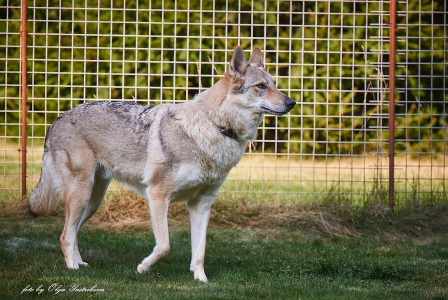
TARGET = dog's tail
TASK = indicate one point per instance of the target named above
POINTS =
(46, 195)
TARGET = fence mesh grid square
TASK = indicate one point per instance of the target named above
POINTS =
(330, 56)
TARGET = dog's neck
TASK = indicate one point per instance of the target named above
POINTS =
(235, 125)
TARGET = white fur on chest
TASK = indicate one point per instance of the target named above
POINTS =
(191, 181)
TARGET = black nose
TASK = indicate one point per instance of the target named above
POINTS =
(290, 103)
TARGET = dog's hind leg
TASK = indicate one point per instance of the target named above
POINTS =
(100, 185)
(76, 170)
(199, 217)
(158, 209)
(99, 189)
(76, 200)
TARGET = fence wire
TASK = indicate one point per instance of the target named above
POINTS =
(329, 56)
(421, 134)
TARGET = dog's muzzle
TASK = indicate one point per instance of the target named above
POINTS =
(281, 108)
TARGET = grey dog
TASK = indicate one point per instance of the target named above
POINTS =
(167, 153)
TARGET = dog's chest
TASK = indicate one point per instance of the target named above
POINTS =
(192, 181)
(205, 173)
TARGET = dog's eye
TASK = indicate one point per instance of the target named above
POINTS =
(261, 86)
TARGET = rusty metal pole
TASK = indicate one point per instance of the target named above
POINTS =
(392, 31)
(24, 91)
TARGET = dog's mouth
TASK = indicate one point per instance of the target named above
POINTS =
(284, 108)
(275, 112)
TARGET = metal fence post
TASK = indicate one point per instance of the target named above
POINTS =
(392, 28)
(23, 35)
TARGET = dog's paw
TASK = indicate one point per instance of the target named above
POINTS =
(73, 266)
(199, 273)
(141, 268)
(84, 264)
(200, 276)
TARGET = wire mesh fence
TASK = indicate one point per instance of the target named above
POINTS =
(421, 115)
(330, 56)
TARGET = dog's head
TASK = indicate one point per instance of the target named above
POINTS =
(253, 88)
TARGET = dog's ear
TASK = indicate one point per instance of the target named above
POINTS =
(238, 63)
(256, 59)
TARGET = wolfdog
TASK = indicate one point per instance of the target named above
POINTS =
(167, 153)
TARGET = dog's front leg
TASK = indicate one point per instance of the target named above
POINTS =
(199, 217)
(158, 208)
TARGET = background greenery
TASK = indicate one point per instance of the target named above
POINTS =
(326, 55)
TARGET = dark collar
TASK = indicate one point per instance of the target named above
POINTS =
(228, 132)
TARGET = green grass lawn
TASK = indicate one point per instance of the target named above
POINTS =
(275, 263)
